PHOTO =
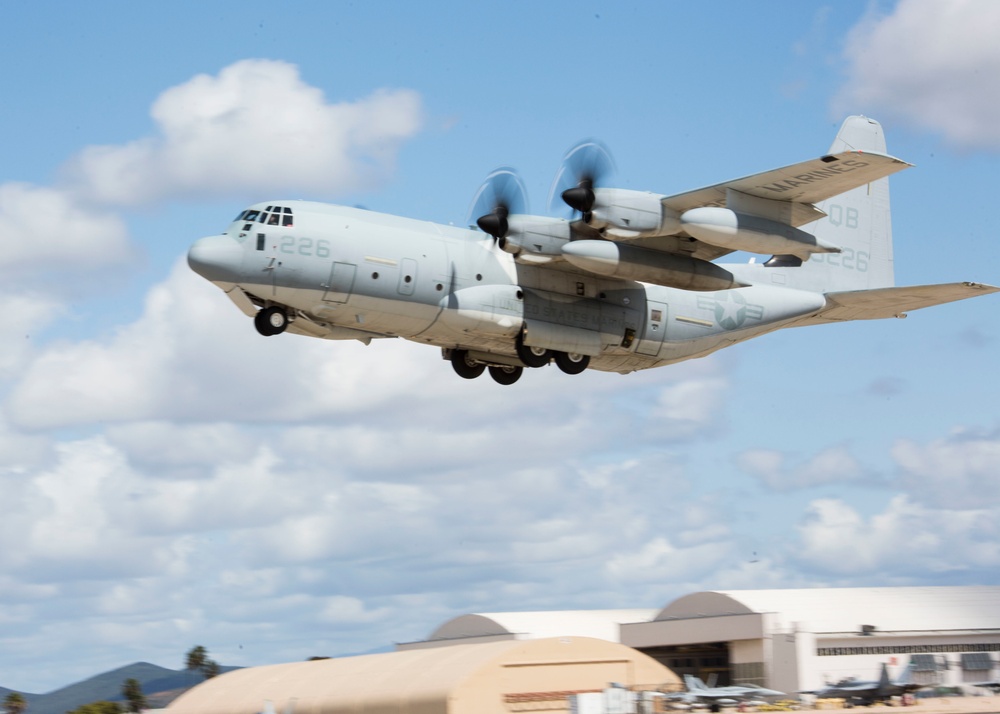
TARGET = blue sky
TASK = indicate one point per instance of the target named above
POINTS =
(172, 479)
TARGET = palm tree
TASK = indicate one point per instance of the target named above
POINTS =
(14, 703)
(132, 691)
(196, 658)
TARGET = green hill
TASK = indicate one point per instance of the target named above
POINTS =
(168, 684)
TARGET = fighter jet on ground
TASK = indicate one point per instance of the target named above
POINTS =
(736, 692)
(628, 283)
(866, 692)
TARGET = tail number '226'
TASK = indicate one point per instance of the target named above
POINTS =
(849, 259)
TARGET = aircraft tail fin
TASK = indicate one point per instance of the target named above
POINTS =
(693, 683)
(857, 221)
(907, 676)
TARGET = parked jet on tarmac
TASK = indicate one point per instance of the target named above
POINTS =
(867, 692)
(697, 690)
(627, 284)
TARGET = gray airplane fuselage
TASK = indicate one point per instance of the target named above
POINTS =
(347, 273)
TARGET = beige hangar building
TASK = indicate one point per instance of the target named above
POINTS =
(485, 678)
(790, 640)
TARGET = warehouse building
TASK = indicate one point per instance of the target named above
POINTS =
(790, 640)
(484, 678)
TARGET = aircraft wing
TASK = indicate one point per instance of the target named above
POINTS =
(794, 189)
(807, 182)
(892, 302)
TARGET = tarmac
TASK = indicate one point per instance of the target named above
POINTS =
(942, 705)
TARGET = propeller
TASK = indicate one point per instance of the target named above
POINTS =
(586, 165)
(501, 195)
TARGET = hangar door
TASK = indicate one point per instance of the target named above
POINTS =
(705, 660)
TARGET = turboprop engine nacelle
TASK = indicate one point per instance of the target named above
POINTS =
(726, 228)
(630, 214)
(540, 236)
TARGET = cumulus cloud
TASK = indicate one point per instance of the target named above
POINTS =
(256, 127)
(660, 560)
(692, 405)
(769, 466)
(905, 540)
(933, 65)
(959, 471)
(52, 238)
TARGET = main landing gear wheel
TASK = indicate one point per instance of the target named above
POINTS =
(505, 374)
(271, 321)
(464, 366)
(531, 356)
(571, 363)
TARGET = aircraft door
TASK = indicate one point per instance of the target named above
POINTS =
(341, 283)
(654, 329)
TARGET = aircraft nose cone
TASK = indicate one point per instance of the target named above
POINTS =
(216, 258)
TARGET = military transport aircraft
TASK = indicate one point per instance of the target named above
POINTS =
(627, 283)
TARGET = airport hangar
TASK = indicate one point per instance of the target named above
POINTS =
(790, 640)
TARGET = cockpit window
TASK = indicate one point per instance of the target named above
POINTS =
(271, 216)
(239, 217)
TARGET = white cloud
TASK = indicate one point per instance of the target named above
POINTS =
(832, 465)
(660, 560)
(905, 540)
(959, 471)
(51, 238)
(934, 65)
(22, 321)
(256, 127)
(691, 405)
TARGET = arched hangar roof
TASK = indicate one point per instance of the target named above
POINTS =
(602, 624)
(462, 679)
(846, 609)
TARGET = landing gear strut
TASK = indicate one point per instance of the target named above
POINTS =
(271, 321)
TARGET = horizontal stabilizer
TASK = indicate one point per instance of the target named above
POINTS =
(892, 302)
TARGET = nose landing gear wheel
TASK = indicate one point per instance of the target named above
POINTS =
(571, 363)
(271, 321)
(465, 367)
(506, 375)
